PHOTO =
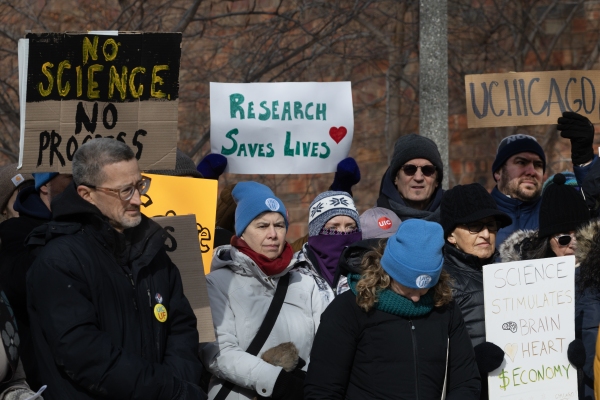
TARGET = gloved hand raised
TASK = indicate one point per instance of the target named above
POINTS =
(488, 356)
(580, 131)
(212, 166)
(346, 176)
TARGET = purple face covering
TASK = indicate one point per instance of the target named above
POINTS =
(328, 248)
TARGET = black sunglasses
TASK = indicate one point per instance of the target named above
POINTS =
(410, 169)
(476, 227)
(563, 239)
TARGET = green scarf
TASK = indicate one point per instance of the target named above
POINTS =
(392, 303)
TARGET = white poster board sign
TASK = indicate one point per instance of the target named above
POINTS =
(530, 314)
(281, 128)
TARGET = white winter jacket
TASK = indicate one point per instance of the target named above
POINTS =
(240, 294)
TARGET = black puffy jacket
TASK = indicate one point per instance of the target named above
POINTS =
(92, 293)
(378, 355)
(467, 288)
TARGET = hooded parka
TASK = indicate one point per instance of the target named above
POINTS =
(240, 294)
(93, 294)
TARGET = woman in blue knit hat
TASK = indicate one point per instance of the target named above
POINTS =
(397, 334)
(242, 284)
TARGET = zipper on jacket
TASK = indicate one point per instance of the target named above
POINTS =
(149, 297)
(415, 355)
(130, 276)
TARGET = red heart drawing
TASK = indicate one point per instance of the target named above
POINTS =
(337, 134)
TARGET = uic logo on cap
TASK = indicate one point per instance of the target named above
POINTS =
(384, 223)
(423, 281)
(272, 204)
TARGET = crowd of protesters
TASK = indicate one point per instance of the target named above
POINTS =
(384, 305)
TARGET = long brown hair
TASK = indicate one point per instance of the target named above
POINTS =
(374, 279)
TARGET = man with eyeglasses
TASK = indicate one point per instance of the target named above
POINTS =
(108, 313)
(411, 185)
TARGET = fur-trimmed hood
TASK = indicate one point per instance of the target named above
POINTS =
(588, 242)
(516, 247)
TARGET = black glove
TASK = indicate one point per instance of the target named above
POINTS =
(580, 131)
(576, 353)
(288, 386)
(488, 356)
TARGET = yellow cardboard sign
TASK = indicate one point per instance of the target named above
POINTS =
(530, 98)
(174, 195)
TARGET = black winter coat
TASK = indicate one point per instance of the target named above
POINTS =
(15, 261)
(377, 355)
(467, 288)
(92, 293)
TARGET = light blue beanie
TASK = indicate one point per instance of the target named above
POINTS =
(413, 256)
(253, 199)
(41, 178)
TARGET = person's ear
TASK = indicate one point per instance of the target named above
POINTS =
(44, 189)
(451, 239)
(85, 193)
(497, 175)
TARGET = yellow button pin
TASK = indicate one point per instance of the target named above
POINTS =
(160, 312)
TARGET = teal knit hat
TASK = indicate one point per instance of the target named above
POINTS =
(413, 256)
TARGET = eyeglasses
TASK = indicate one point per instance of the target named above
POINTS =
(476, 227)
(126, 193)
(564, 239)
(410, 169)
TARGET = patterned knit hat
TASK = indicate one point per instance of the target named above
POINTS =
(328, 205)
(469, 203)
(562, 210)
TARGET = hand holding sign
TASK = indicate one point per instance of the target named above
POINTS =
(580, 131)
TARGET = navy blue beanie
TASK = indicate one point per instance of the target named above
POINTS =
(41, 178)
(253, 199)
(413, 257)
(515, 144)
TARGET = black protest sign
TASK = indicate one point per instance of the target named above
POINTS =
(85, 86)
(183, 248)
(530, 98)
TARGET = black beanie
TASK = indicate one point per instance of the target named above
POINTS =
(469, 203)
(414, 146)
(184, 166)
(562, 210)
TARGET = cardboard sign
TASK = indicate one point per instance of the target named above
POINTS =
(531, 98)
(281, 128)
(530, 314)
(182, 248)
(76, 87)
(175, 195)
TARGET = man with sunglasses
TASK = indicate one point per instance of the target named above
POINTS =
(411, 185)
(108, 313)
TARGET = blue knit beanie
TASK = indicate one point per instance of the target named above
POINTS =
(328, 205)
(413, 256)
(41, 178)
(253, 199)
(515, 144)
